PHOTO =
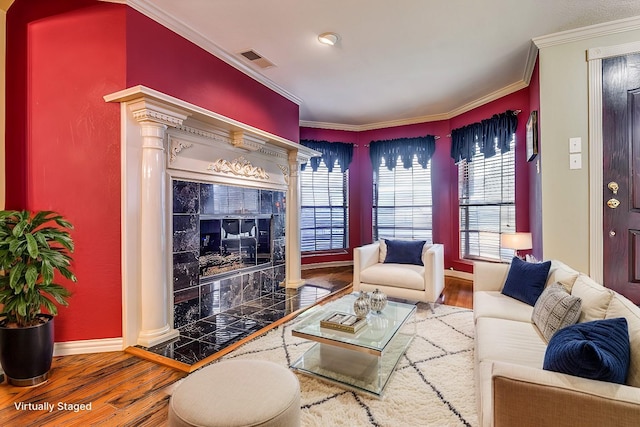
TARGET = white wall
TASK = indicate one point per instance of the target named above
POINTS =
(564, 113)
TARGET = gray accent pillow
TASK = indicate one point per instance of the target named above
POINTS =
(555, 309)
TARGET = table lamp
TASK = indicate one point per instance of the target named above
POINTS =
(516, 241)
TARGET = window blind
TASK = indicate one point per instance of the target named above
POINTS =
(402, 202)
(324, 209)
(486, 188)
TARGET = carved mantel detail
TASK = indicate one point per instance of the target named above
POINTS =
(176, 147)
(285, 172)
(239, 167)
(247, 142)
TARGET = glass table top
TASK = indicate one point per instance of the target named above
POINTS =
(372, 338)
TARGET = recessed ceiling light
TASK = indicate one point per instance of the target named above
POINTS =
(328, 38)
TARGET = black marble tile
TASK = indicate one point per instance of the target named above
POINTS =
(168, 349)
(210, 299)
(249, 325)
(279, 198)
(198, 329)
(222, 320)
(250, 287)
(224, 337)
(207, 199)
(244, 310)
(185, 197)
(195, 351)
(186, 271)
(186, 307)
(268, 315)
(251, 201)
(230, 292)
(186, 233)
(266, 202)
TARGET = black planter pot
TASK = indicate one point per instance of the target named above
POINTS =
(26, 353)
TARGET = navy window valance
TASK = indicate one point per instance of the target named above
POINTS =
(490, 135)
(404, 148)
(331, 152)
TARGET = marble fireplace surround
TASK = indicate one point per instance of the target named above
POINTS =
(165, 138)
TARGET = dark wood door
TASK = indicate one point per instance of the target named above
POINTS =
(621, 189)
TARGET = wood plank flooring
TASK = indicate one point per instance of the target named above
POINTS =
(124, 390)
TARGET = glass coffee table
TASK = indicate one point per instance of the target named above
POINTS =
(364, 360)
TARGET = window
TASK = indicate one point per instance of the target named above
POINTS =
(324, 209)
(402, 204)
(486, 189)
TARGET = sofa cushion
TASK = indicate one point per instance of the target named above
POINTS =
(597, 350)
(622, 307)
(509, 341)
(407, 276)
(404, 252)
(494, 304)
(562, 273)
(382, 251)
(595, 298)
(554, 310)
(526, 280)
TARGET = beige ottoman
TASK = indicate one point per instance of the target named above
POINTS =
(237, 393)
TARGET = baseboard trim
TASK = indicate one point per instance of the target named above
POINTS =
(459, 274)
(88, 346)
(326, 265)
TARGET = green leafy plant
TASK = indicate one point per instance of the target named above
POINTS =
(32, 247)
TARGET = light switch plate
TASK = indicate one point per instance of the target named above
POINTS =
(575, 145)
(575, 161)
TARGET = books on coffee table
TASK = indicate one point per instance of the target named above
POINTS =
(343, 322)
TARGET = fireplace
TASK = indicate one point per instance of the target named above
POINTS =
(170, 149)
(228, 247)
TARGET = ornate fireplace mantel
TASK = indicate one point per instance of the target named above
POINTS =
(164, 137)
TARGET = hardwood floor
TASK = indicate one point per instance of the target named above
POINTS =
(124, 390)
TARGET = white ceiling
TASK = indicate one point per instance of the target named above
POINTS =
(397, 60)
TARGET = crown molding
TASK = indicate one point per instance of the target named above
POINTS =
(151, 11)
(531, 63)
(514, 87)
(597, 30)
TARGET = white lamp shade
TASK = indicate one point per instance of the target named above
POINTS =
(516, 241)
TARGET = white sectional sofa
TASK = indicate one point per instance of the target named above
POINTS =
(512, 387)
(406, 281)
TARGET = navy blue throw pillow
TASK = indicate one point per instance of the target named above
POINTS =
(526, 280)
(404, 251)
(599, 350)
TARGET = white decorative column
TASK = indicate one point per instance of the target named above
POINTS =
(293, 261)
(154, 285)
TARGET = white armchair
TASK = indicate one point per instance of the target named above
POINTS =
(405, 281)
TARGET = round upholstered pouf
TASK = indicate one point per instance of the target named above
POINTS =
(237, 393)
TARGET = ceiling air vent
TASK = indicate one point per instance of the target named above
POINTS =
(257, 59)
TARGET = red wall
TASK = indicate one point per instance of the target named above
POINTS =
(63, 140)
(163, 60)
(67, 156)
(444, 176)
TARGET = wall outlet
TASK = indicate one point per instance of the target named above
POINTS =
(575, 145)
(575, 161)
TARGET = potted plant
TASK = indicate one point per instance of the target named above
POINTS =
(33, 246)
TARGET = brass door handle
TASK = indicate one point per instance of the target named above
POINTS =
(613, 203)
(613, 186)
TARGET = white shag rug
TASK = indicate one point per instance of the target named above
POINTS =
(433, 384)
